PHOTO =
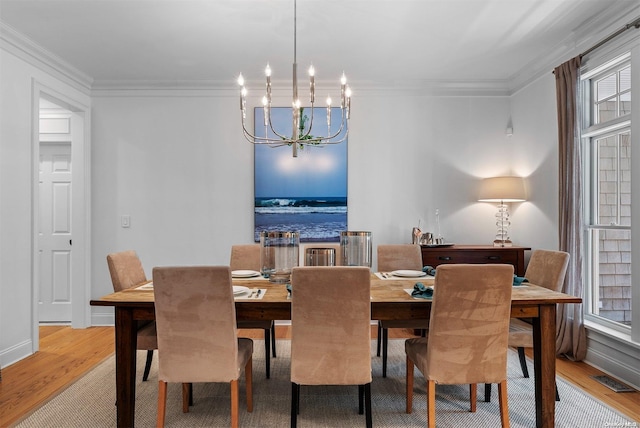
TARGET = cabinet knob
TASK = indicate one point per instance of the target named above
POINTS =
(445, 258)
(494, 257)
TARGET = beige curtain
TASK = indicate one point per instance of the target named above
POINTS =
(570, 334)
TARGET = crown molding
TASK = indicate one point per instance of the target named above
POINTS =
(582, 38)
(34, 54)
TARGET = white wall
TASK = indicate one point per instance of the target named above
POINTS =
(178, 165)
(17, 82)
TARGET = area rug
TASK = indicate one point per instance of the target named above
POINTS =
(90, 401)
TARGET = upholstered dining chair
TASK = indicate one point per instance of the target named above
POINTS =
(547, 269)
(248, 257)
(390, 258)
(200, 344)
(126, 271)
(468, 333)
(331, 331)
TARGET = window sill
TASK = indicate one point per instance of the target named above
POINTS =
(611, 332)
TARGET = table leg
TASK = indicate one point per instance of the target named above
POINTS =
(544, 363)
(125, 366)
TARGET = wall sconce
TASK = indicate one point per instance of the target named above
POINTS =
(502, 190)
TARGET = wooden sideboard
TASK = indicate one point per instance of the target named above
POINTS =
(434, 256)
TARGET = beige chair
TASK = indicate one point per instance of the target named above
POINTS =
(330, 331)
(390, 258)
(248, 257)
(201, 344)
(126, 271)
(468, 333)
(547, 269)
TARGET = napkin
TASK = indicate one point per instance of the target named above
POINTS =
(422, 291)
(429, 270)
(518, 280)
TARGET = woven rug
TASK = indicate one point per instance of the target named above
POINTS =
(90, 401)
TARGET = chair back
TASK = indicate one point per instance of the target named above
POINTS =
(331, 325)
(396, 257)
(196, 324)
(126, 270)
(469, 325)
(547, 268)
(245, 257)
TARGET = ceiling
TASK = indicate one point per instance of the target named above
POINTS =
(375, 42)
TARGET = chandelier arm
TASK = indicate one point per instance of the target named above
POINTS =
(255, 139)
(306, 134)
(274, 130)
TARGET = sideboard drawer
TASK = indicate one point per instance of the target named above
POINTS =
(476, 254)
(471, 257)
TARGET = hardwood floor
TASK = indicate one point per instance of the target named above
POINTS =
(66, 355)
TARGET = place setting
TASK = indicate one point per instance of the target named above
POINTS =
(241, 292)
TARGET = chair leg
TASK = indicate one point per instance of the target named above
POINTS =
(248, 378)
(234, 403)
(379, 338)
(431, 404)
(267, 351)
(504, 405)
(295, 402)
(360, 399)
(487, 393)
(409, 385)
(367, 404)
(162, 403)
(147, 366)
(185, 397)
(273, 339)
(523, 362)
(190, 394)
(385, 341)
(473, 397)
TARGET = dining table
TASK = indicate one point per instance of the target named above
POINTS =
(390, 299)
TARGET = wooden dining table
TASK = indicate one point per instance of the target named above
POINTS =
(389, 301)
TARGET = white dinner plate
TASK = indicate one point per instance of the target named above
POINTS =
(409, 273)
(238, 290)
(244, 273)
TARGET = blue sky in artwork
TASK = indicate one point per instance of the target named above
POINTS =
(316, 172)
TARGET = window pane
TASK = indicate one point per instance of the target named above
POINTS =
(625, 79)
(606, 87)
(625, 179)
(625, 103)
(614, 275)
(606, 110)
(607, 180)
(614, 180)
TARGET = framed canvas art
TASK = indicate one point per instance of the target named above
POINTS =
(307, 193)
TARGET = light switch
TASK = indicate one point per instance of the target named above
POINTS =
(125, 221)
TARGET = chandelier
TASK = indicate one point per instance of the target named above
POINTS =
(301, 124)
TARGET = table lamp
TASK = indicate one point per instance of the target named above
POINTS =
(502, 190)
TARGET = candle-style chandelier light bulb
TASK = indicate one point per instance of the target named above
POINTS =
(301, 132)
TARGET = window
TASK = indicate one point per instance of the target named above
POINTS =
(607, 150)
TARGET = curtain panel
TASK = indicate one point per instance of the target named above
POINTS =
(570, 332)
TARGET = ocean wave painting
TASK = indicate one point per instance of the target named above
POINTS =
(308, 193)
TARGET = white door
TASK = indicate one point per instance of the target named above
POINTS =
(55, 239)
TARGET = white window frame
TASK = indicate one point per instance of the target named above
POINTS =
(589, 134)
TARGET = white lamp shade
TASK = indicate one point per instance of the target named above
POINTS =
(502, 189)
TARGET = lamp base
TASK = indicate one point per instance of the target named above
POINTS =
(502, 243)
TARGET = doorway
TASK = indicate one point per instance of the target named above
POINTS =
(61, 273)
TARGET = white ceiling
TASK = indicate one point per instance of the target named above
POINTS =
(390, 42)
